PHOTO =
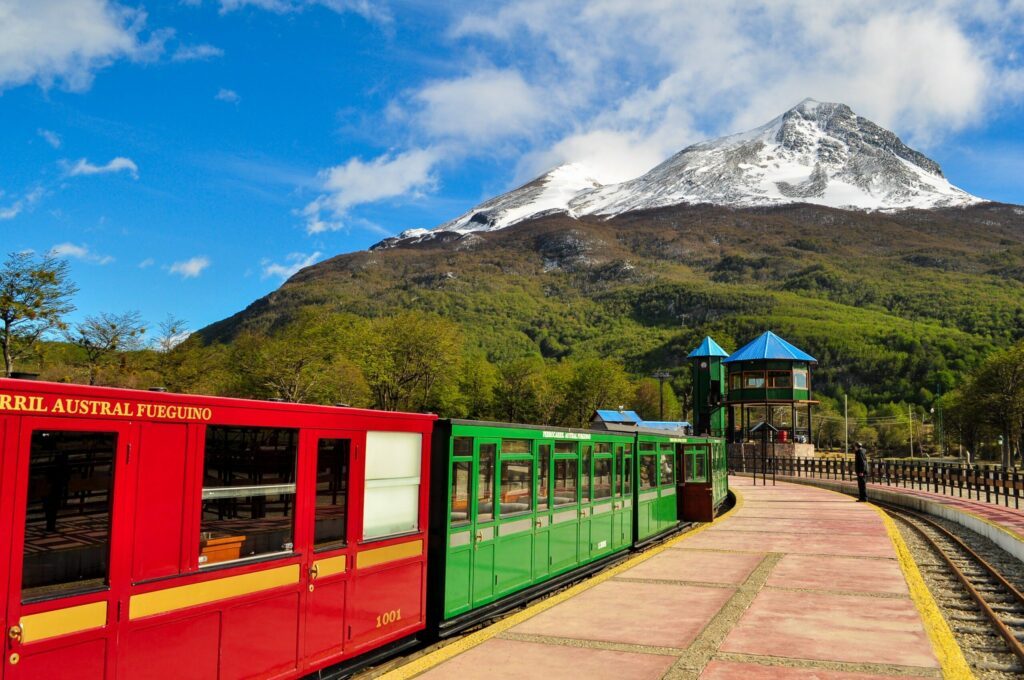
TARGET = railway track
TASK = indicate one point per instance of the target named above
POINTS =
(983, 608)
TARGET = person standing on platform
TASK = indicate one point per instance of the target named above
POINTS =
(860, 466)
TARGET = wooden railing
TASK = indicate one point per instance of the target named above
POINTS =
(986, 484)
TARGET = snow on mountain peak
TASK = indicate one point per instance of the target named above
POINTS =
(816, 152)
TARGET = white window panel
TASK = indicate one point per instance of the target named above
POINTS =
(391, 502)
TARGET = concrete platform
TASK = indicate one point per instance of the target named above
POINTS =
(1003, 525)
(797, 582)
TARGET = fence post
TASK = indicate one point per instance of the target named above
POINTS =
(988, 488)
(1016, 491)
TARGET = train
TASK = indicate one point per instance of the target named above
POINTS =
(155, 536)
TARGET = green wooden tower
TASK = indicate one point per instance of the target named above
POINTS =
(708, 388)
(770, 382)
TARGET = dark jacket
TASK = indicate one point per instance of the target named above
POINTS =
(861, 460)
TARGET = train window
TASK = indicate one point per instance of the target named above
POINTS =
(618, 470)
(565, 447)
(332, 457)
(602, 447)
(248, 493)
(668, 467)
(648, 472)
(543, 476)
(565, 482)
(800, 380)
(602, 478)
(585, 474)
(647, 446)
(460, 492)
(780, 379)
(627, 482)
(516, 486)
(391, 495)
(516, 446)
(753, 380)
(485, 484)
(666, 446)
(695, 471)
(67, 518)
(462, 446)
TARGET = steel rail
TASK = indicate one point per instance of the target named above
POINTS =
(1004, 631)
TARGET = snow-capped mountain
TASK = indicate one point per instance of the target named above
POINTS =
(817, 152)
(551, 192)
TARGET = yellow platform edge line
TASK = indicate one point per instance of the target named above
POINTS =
(436, 658)
(951, 658)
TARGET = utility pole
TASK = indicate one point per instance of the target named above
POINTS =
(662, 376)
(910, 414)
(846, 418)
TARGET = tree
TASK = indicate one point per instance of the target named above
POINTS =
(35, 295)
(477, 381)
(104, 334)
(410, 361)
(305, 362)
(647, 400)
(522, 391)
(592, 384)
(998, 389)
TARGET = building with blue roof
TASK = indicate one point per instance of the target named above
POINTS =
(769, 381)
(708, 371)
(630, 421)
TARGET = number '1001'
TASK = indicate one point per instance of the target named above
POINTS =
(389, 617)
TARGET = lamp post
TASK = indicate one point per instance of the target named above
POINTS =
(661, 376)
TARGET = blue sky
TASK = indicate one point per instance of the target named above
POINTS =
(187, 156)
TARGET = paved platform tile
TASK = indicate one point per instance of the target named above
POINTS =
(632, 613)
(808, 544)
(810, 525)
(850, 628)
(513, 660)
(733, 670)
(828, 572)
(710, 567)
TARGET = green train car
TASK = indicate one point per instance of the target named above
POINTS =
(520, 509)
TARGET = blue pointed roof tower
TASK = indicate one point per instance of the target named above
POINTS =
(708, 348)
(769, 346)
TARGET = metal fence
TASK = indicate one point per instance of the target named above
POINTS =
(986, 484)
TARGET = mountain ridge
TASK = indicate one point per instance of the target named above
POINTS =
(816, 152)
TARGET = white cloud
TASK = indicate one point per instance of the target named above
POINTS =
(68, 41)
(147, 263)
(620, 86)
(196, 52)
(83, 167)
(368, 9)
(359, 182)
(51, 137)
(481, 106)
(27, 201)
(226, 95)
(71, 250)
(292, 264)
(191, 268)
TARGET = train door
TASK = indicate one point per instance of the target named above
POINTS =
(542, 531)
(484, 512)
(326, 461)
(586, 501)
(65, 581)
(697, 502)
(513, 551)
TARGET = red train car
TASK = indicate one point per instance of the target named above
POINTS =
(166, 536)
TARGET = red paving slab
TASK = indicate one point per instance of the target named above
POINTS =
(709, 567)
(831, 627)
(513, 660)
(821, 572)
(878, 545)
(866, 526)
(632, 613)
(732, 670)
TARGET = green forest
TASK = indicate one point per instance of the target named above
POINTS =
(909, 315)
